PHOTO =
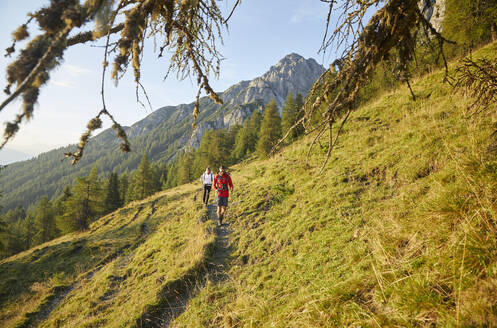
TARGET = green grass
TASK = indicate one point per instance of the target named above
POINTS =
(400, 230)
(111, 274)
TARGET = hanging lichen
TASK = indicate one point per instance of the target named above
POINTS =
(391, 33)
(189, 30)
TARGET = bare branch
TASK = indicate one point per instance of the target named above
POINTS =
(232, 11)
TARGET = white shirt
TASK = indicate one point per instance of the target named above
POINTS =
(207, 178)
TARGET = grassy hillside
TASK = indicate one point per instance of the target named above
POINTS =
(111, 274)
(400, 230)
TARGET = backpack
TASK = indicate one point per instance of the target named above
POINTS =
(223, 180)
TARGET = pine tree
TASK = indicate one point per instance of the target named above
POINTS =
(254, 127)
(13, 239)
(3, 226)
(112, 197)
(203, 157)
(28, 232)
(60, 208)
(185, 168)
(15, 215)
(45, 221)
(479, 17)
(60, 203)
(288, 118)
(231, 136)
(299, 113)
(3, 235)
(219, 148)
(240, 149)
(123, 187)
(157, 181)
(129, 195)
(144, 180)
(247, 136)
(163, 170)
(86, 202)
(270, 130)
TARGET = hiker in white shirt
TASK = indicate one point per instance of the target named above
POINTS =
(207, 179)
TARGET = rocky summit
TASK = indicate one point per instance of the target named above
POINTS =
(292, 74)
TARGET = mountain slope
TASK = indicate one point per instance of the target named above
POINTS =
(160, 135)
(398, 231)
(122, 262)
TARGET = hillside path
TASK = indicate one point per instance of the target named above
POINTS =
(216, 271)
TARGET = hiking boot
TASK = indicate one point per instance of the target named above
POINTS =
(221, 220)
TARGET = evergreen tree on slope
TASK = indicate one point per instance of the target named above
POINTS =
(254, 127)
(144, 180)
(288, 118)
(299, 113)
(86, 202)
(112, 197)
(270, 130)
(45, 221)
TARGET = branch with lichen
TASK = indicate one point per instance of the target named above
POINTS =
(190, 30)
(390, 33)
(94, 124)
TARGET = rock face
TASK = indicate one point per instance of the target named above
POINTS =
(434, 11)
(293, 74)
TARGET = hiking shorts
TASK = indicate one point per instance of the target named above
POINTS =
(222, 201)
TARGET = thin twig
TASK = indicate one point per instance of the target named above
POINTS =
(232, 11)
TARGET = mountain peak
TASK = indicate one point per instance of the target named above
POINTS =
(290, 60)
(292, 57)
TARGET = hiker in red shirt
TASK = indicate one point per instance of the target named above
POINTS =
(222, 182)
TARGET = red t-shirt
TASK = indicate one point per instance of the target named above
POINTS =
(221, 180)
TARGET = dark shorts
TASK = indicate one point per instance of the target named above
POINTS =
(222, 201)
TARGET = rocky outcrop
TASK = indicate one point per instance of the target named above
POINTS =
(293, 74)
(434, 11)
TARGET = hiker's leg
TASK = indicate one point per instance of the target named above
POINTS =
(205, 194)
(220, 214)
(221, 203)
(208, 188)
(221, 217)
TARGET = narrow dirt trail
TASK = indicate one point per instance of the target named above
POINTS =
(218, 265)
(216, 272)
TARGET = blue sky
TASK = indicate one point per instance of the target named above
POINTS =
(261, 32)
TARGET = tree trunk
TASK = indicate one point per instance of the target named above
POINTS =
(494, 32)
